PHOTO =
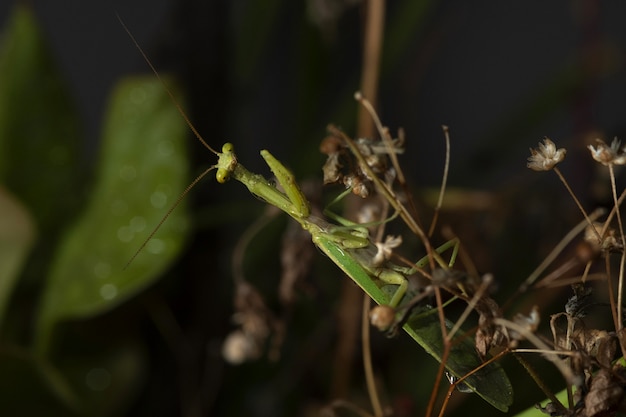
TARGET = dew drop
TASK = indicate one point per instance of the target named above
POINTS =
(155, 246)
(158, 199)
(137, 224)
(108, 291)
(98, 379)
(125, 234)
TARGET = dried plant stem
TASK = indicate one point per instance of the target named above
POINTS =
(613, 212)
(550, 354)
(559, 248)
(557, 273)
(372, 45)
(347, 316)
(367, 359)
(487, 280)
(582, 210)
(607, 263)
(533, 374)
(444, 181)
(444, 355)
(620, 280)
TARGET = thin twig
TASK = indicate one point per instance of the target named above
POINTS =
(558, 249)
(367, 359)
(444, 181)
(580, 207)
(620, 279)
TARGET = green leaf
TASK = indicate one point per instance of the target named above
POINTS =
(17, 233)
(142, 172)
(40, 145)
(491, 382)
(40, 162)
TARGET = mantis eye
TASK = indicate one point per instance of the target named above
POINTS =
(227, 162)
(222, 175)
(227, 147)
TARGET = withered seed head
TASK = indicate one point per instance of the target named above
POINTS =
(382, 317)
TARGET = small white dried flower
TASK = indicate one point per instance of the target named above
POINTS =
(368, 213)
(530, 323)
(385, 249)
(382, 317)
(239, 348)
(546, 156)
(608, 155)
(357, 185)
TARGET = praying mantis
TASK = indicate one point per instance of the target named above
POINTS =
(349, 247)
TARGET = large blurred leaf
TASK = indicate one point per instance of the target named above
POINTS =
(40, 159)
(142, 171)
(17, 233)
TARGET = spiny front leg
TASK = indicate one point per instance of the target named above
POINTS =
(287, 180)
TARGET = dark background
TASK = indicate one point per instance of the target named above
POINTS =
(501, 75)
(472, 67)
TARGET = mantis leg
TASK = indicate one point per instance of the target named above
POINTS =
(396, 275)
(288, 182)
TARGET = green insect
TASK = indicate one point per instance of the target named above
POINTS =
(350, 248)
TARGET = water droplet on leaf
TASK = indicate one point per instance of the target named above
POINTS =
(137, 224)
(108, 291)
(125, 234)
(158, 199)
(155, 246)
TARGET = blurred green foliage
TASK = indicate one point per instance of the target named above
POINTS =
(88, 225)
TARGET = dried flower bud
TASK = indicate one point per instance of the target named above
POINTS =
(608, 242)
(608, 155)
(368, 213)
(545, 157)
(357, 185)
(332, 169)
(238, 348)
(529, 323)
(385, 249)
(330, 145)
(382, 317)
